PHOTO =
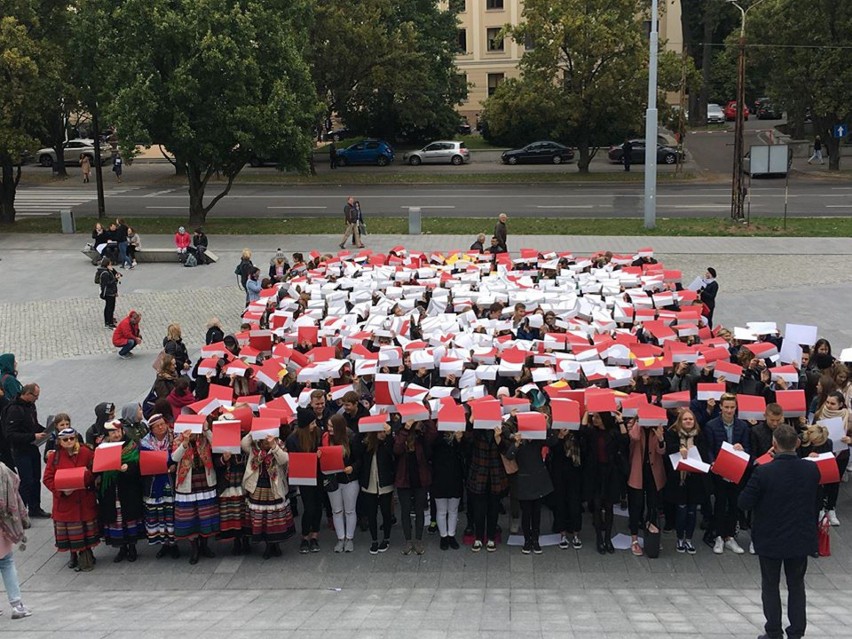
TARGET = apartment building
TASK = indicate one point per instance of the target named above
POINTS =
(486, 59)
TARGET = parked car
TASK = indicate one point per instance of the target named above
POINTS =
(439, 152)
(539, 152)
(731, 111)
(715, 114)
(765, 110)
(665, 154)
(367, 151)
(464, 128)
(338, 134)
(72, 150)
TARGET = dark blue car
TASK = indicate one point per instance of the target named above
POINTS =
(367, 151)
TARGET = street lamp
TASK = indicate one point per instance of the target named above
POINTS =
(651, 127)
(737, 183)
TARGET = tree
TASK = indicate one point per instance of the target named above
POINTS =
(520, 111)
(387, 67)
(595, 53)
(28, 72)
(214, 82)
(805, 44)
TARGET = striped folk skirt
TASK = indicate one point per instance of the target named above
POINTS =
(160, 518)
(234, 519)
(271, 517)
(76, 536)
(197, 513)
(120, 532)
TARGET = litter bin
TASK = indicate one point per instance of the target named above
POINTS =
(67, 218)
(414, 220)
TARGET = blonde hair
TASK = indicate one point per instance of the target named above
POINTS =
(246, 254)
(815, 435)
(173, 332)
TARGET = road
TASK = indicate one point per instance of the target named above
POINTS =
(534, 200)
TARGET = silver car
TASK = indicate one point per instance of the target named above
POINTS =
(715, 114)
(72, 150)
(439, 152)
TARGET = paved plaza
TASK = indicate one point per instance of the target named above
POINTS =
(50, 316)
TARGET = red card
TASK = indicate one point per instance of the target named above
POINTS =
(829, 473)
(261, 340)
(283, 415)
(107, 457)
(331, 460)
(532, 425)
(303, 469)
(411, 412)
(372, 423)
(308, 334)
(764, 459)
(263, 426)
(652, 416)
(244, 415)
(730, 465)
(792, 401)
(601, 402)
(70, 478)
(451, 417)
(226, 436)
(565, 413)
(224, 394)
(750, 406)
(486, 414)
(153, 462)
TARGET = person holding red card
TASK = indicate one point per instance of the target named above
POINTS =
(376, 480)
(412, 447)
(726, 428)
(306, 439)
(486, 483)
(196, 503)
(605, 470)
(448, 466)
(566, 473)
(687, 491)
(265, 484)
(343, 488)
(120, 498)
(646, 479)
(75, 511)
(234, 520)
(158, 495)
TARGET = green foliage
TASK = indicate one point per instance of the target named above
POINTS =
(387, 67)
(522, 111)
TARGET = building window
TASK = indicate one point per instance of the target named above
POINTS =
(494, 4)
(458, 6)
(529, 42)
(494, 80)
(495, 40)
(462, 40)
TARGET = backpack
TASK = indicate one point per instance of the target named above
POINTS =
(190, 260)
(98, 274)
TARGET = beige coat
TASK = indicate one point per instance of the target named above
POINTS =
(279, 486)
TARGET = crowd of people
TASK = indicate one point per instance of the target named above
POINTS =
(430, 387)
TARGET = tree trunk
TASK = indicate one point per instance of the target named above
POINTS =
(832, 146)
(8, 187)
(585, 157)
(197, 214)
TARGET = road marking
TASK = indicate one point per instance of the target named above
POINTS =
(175, 208)
(159, 193)
(567, 206)
(422, 206)
(50, 200)
(694, 206)
(838, 206)
(298, 208)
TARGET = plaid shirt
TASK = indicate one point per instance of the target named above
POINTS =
(486, 467)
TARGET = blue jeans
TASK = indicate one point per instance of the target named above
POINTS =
(129, 346)
(122, 254)
(10, 578)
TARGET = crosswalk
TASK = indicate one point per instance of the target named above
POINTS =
(50, 200)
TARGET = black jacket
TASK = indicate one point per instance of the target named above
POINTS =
(109, 283)
(708, 294)
(384, 462)
(177, 349)
(448, 467)
(20, 425)
(783, 498)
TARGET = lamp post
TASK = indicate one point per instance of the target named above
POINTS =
(737, 182)
(651, 127)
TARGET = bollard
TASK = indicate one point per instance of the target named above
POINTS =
(68, 225)
(414, 220)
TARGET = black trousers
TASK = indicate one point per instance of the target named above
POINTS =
(412, 498)
(28, 461)
(312, 497)
(642, 503)
(531, 518)
(486, 508)
(372, 505)
(770, 578)
(725, 512)
(567, 506)
(109, 309)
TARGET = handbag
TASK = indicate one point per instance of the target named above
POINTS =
(362, 228)
(652, 541)
(824, 537)
(509, 465)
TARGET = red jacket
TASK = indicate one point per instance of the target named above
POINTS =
(80, 505)
(125, 331)
(183, 240)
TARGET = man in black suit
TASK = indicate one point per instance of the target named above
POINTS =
(709, 292)
(782, 495)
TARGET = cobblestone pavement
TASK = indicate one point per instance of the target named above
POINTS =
(51, 317)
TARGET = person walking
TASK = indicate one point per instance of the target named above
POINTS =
(13, 523)
(332, 155)
(782, 495)
(708, 294)
(85, 167)
(350, 216)
(627, 154)
(117, 167)
(817, 154)
(501, 232)
(24, 434)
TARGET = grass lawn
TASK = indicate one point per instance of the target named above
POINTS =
(772, 227)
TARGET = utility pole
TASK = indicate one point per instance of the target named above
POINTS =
(99, 174)
(651, 127)
(737, 182)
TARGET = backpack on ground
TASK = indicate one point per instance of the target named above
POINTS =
(190, 260)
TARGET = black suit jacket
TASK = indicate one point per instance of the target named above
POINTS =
(783, 497)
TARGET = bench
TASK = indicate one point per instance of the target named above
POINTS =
(151, 255)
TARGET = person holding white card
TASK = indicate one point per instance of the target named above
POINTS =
(684, 489)
(835, 407)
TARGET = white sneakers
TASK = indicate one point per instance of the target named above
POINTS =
(19, 610)
(751, 548)
(832, 518)
(731, 544)
(339, 546)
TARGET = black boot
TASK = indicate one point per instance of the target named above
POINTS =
(131, 553)
(246, 546)
(73, 562)
(267, 552)
(238, 547)
(193, 552)
(205, 549)
(276, 550)
(121, 556)
(599, 541)
(608, 532)
(175, 551)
